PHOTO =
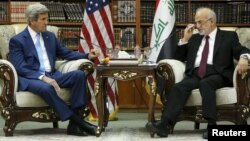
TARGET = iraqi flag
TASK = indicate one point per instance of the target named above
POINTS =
(163, 38)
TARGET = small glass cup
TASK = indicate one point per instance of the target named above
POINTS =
(146, 53)
(137, 51)
(109, 52)
(116, 51)
(97, 51)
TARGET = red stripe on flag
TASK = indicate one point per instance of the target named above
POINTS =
(92, 110)
(97, 34)
(107, 25)
(87, 36)
(157, 3)
(80, 49)
(91, 81)
(88, 40)
(111, 94)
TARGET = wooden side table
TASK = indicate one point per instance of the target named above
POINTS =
(123, 73)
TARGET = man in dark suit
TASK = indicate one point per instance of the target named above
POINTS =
(209, 59)
(33, 53)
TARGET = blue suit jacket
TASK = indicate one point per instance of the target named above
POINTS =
(23, 55)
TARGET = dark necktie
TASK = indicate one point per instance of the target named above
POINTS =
(203, 63)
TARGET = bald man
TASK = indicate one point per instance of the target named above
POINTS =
(209, 59)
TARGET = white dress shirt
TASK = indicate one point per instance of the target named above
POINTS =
(211, 41)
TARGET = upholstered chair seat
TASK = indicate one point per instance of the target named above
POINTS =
(226, 95)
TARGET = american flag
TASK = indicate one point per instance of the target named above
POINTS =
(97, 30)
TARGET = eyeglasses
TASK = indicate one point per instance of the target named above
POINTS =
(201, 22)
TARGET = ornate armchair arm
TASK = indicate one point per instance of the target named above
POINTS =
(8, 84)
(242, 84)
(172, 71)
(80, 64)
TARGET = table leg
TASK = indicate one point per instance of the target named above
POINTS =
(152, 98)
(105, 100)
(99, 104)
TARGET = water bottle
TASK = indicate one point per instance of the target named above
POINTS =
(137, 51)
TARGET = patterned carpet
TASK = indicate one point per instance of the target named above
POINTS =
(111, 134)
(128, 127)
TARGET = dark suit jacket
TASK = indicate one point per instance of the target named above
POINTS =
(23, 55)
(226, 49)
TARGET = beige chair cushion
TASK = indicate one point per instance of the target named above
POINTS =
(53, 29)
(67, 66)
(226, 95)
(28, 99)
(244, 37)
(229, 28)
(221, 28)
(4, 48)
(6, 32)
(20, 27)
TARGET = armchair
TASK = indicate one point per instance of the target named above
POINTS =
(18, 106)
(232, 102)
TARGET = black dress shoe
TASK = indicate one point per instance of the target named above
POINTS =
(84, 112)
(159, 128)
(73, 129)
(89, 128)
(205, 135)
(211, 122)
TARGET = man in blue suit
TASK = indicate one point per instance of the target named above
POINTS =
(33, 53)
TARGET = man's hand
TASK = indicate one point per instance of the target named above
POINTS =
(94, 53)
(52, 82)
(242, 65)
(188, 32)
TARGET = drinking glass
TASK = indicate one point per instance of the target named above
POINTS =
(109, 52)
(97, 50)
(116, 53)
(146, 53)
